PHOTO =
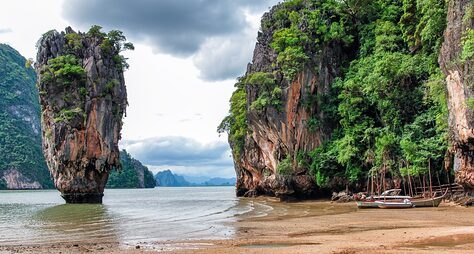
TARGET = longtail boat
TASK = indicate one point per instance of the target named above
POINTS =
(370, 202)
(383, 201)
(428, 202)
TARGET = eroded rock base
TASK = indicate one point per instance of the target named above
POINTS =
(83, 198)
(286, 188)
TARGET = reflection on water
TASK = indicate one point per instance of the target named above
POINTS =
(131, 216)
(73, 222)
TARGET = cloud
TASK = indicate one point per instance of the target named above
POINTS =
(182, 154)
(213, 30)
(5, 30)
(225, 57)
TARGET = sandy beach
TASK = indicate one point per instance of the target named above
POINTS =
(313, 227)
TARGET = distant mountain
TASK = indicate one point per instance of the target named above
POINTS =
(196, 179)
(132, 175)
(217, 181)
(22, 164)
(168, 179)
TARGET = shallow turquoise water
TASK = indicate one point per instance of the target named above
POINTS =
(127, 215)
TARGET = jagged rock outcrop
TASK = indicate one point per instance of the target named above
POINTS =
(457, 64)
(83, 98)
(277, 133)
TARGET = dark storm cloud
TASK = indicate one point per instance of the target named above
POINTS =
(177, 27)
(179, 151)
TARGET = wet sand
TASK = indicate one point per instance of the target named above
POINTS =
(313, 227)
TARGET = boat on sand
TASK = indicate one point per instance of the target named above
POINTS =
(428, 202)
(406, 203)
(395, 201)
(369, 202)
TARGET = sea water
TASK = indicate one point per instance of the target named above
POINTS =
(126, 216)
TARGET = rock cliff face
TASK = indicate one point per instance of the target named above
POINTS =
(15, 180)
(456, 61)
(22, 164)
(279, 133)
(83, 98)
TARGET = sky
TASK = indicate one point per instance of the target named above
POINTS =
(187, 56)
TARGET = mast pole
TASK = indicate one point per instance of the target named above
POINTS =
(429, 171)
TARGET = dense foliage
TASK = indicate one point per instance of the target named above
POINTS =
(65, 77)
(130, 174)
(20, 134)
(390, 101)
(392, 105)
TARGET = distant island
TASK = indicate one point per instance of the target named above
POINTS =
(22, 164)
(132, 175)
(167, 178)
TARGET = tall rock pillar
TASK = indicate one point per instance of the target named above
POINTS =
(83, 99)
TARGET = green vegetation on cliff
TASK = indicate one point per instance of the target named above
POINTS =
(132, 175)
(389, 102)
(235, 124)
(66, 73)
(20, 130)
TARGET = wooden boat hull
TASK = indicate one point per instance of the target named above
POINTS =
(432, 202)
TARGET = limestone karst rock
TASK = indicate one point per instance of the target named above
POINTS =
(456, 61)
(280, 132)
(83, 99)
(340, 94)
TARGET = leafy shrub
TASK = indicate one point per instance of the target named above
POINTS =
(289, 44)
(74, 41)
(83, 91)
(235, 124)
(470, 103)
(63, 69)
(261, 79)
(467, 43)
(313, 124)
(66, 115)
(285, 166)
(270, 93)
(95, 31)
(111, 84)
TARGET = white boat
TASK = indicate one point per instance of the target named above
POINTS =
(406, 203)
(369, 202)
(391, 194)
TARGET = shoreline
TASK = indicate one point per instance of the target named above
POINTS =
(312, 227)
